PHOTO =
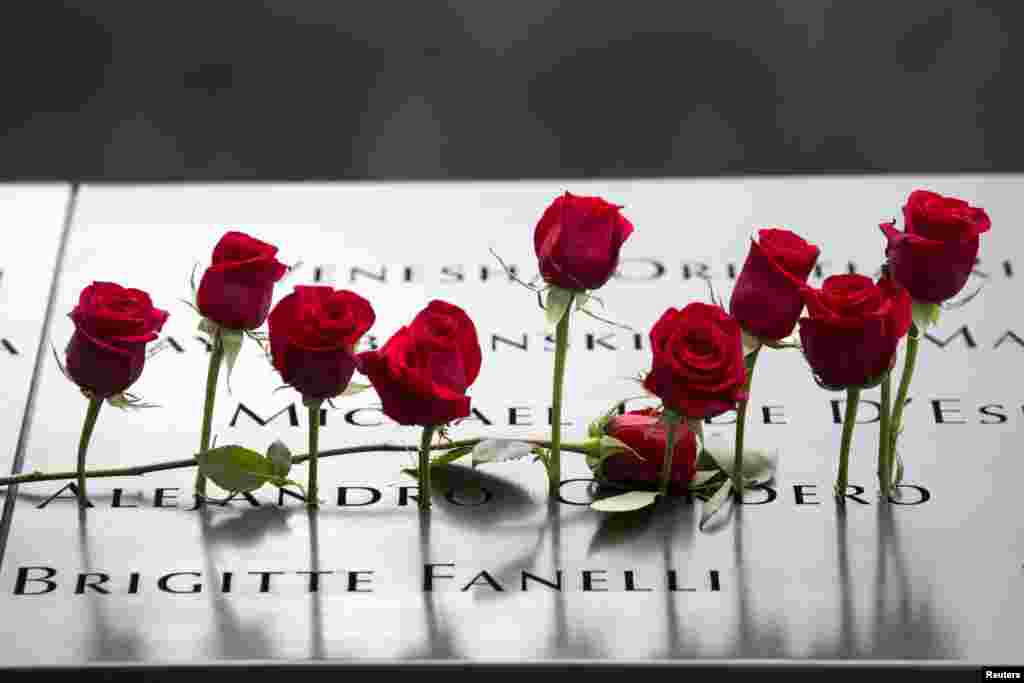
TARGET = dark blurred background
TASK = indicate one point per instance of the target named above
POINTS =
(288, 89)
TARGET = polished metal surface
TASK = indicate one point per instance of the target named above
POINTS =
(31, 218)
(141, 577)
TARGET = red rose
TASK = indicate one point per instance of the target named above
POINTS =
(578, 240)
(934, 255)
(421, 374)
(645, 433)
(698, 368)
(112, 326)
(766, 301)
(313, 332)
(854, 327)
(236, 289)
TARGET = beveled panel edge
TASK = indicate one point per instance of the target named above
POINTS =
(11, 492)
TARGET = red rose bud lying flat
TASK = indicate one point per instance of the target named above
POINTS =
(645, 433)
(108, 350)
(422, 373)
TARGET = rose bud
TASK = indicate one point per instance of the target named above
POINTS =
(236, 289)
(577, 241)
(766, 301)
(421, 374)
(112, 327)
(645, 433)
(313, 333)
(698, 368)
(934, 255)
(850, 338)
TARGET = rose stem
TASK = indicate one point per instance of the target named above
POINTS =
(424, 473)
(139, 470)
(741, 422)
(561, 346)
(212, 372)
(312, 491)
(884, 424)
(83, 445)
(913, 339)
(849, 421)
(671, 422)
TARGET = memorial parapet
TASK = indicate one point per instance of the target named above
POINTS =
(497, 570)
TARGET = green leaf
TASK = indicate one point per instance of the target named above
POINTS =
(557, 305)
(626, 502)
(280, 458)
(232, 341)
(758, 465)
(234, 468)
(715, 503)
(925, 314)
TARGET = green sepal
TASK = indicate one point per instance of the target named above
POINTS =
(925, 314)
(599, 449)
(598, 427)
(232, 341)
(128, 401)
(354, 388)
(557, 304)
